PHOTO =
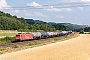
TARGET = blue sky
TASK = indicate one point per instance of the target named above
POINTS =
(76, 15)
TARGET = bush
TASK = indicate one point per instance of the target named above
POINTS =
(81, 32)
(1, 53)
(7, 40)
(89, 32)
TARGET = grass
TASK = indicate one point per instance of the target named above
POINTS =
(1, 53)
(15, 46)
(7, 40)
(86, 32)
(8, 34)
(2, 49)
(38, 43)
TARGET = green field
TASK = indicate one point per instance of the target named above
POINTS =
(8, 34)
(7, 37)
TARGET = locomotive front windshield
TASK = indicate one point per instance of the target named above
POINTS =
(17, 35)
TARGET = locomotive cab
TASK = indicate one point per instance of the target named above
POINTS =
(17, 37)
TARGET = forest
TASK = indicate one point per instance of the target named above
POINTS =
(9, 22)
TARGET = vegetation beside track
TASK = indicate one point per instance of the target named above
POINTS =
(37, 43)
(8, 34)
(7, 40)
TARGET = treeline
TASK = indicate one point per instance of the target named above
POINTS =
(38, 27)
(43, 26)
(46, 26)
(60, 27)
(87, 29)
(9, 22)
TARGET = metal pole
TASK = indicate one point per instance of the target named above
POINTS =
(83, 26)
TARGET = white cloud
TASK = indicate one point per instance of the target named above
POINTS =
(27, 14)
(4, 5)
(51, 8)
(68, 9)
(59, 16)
(86, 0)
(35, 14)
(39, 14)
(34, 4)
(16, 11)
(80, 8)
(76, 0)
(82, 2)
(48, 8)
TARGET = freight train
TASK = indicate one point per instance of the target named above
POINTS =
(40, 35)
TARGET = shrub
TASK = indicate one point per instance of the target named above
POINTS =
(81, 32)
(89, 32)
(1, 53)
(7, 40)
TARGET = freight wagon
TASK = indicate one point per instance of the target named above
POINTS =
(36, 35)
(40, 35)
(43, 34)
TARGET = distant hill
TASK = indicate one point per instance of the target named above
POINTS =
(32, 21)
(72, 26)
(68, 25)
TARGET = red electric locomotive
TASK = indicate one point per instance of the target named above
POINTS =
(24, 36)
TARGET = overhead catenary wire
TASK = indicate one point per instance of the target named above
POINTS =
(48, 6)
(45, 8)
(75, 3)
(68, 3)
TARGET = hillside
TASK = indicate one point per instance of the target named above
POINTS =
(54, 25)
(9, 22)
(32, 21)
(67, 25)
(72, 26)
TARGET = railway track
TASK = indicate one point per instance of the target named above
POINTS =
(26, 42)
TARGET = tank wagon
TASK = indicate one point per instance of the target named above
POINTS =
(36, 35)
(43, 34)
(50, 34)
(40, 35)
(69, 32)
